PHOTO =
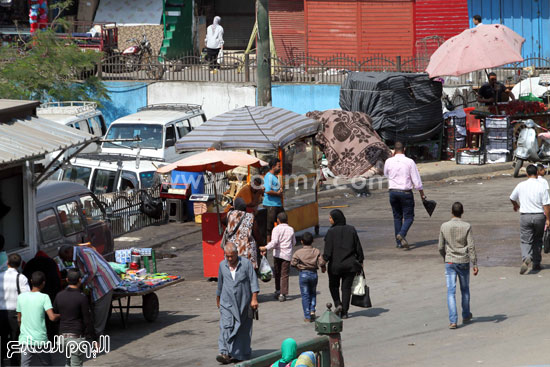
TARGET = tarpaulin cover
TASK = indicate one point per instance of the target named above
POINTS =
(403, 106)
(129, 12)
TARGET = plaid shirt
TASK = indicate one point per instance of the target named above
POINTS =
(456, 243)
(97, 273)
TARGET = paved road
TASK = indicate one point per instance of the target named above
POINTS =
(408, 324)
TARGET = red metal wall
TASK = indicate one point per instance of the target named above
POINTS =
(287, 27)
(359, 28)
(441, 18)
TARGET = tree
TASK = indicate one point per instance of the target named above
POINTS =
(48, 67)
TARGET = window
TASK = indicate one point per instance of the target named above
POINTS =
(70, 218)
(77, 174)
(104, 181)
(147, 179)
(91, 209)
(150, 134)
(95, 126)
(183, 128)
(128, 181)
(170, 136)
(196, 121)
(77, 125)
(49, 229)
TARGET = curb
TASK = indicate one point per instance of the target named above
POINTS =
(380, 182)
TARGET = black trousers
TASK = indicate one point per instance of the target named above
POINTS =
(9, 331)
(212, 57)
(346, 281)
(272, 212)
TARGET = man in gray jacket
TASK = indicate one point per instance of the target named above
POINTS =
(456, 245)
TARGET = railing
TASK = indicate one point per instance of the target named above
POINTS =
(241, 68)
(124, 211)
(320, 346)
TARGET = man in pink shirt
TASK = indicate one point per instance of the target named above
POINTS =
(282, 241)
(403, 176)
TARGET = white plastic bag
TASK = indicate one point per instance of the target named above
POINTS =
(265, 270)
(358, 286)
(220, 56)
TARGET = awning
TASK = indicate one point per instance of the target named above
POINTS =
(32, 138)
(259, 128)
(129, 12)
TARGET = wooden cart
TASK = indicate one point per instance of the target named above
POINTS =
(149, 305)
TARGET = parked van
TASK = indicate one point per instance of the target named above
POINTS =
(103, 173)
(68, 213)
(158, 126)
(79, 115)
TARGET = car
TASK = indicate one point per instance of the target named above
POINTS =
(69, 213)
(83, 116)
(155, 129)
(104, 173)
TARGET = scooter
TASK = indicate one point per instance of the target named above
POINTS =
(527, 148)
(140, 56)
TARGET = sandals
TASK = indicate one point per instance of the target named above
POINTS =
(452, 326)
(223, 359)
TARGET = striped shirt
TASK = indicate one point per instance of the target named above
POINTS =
(282, 240)
(97, 273)
(456, 243)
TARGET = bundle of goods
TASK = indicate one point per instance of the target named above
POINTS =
(140, 280)
(515, 108)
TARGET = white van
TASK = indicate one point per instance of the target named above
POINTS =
(158, 127)
(76, 114)
(103, 173)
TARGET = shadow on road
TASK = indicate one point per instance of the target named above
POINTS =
(495, 318)
(423, 244)
(370, 312)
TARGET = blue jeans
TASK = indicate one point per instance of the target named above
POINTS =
(463, 273)
(402, 205)
(308, 290)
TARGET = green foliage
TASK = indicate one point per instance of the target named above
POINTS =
(49, 67)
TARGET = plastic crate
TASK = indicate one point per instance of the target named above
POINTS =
(496, 122)
(498, 156)
(470, 156)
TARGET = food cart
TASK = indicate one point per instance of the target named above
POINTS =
(268, 132)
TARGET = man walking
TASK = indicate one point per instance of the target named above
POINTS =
(273, 195)
(403, 176)
(98, 276)
(541, 171)
(456, 245)
(12, 283)
(237, 299)
(533, 202)
(75, 318)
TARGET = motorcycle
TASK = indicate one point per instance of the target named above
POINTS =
(140, 57)
(527, 148)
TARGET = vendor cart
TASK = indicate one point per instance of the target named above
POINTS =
(149, 304)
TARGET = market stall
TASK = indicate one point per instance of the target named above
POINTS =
(213, 161)
(268, 132)
(138, 281)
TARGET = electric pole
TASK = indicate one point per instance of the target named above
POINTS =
(263, 53)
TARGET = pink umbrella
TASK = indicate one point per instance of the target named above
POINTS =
(482, 47)
(213, 161)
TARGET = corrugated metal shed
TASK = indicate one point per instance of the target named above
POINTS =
(438, 18)
(529, 18)
(287, 27)
(31, 138)
(359, 28)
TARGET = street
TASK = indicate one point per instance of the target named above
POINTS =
(408, 324)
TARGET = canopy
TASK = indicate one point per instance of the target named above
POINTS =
(213, 161)
(482, 47)
(259, 128)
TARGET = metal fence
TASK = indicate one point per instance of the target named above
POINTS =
(124, 210)
(241, 68)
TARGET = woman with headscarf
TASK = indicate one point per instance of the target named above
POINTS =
(344, 255)
(214, 42)
(289, 349)
(239, 231)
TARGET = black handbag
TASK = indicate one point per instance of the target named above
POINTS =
(546, 241)
(362, 301)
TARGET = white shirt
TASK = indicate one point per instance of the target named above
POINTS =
(8, 288)
(214, 36)
(544, 182)
(531, 196)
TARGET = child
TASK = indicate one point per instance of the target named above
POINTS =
(308, 259)
(32, 308)
(282, 240)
